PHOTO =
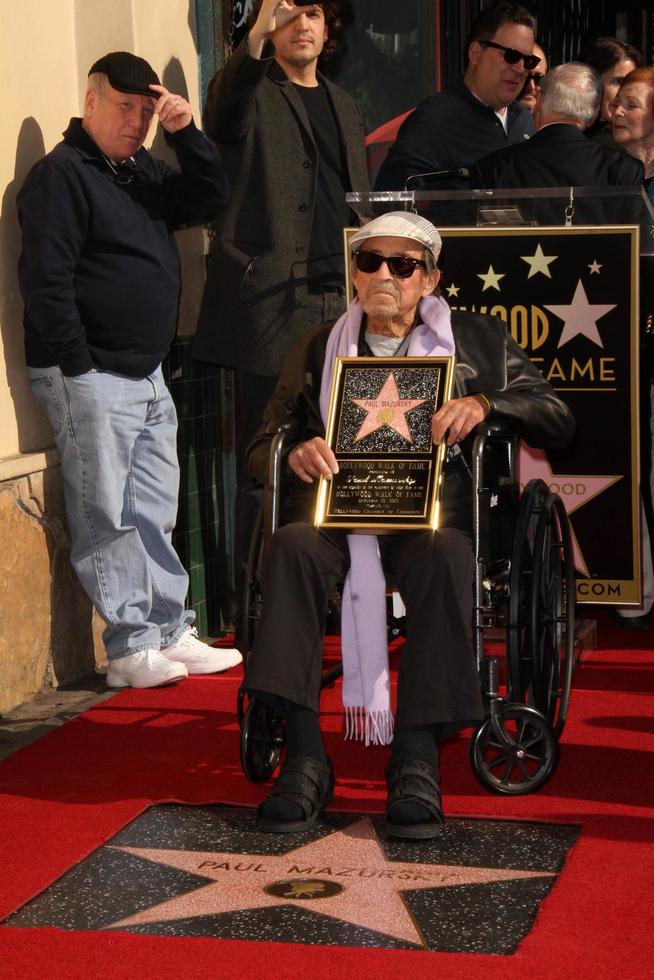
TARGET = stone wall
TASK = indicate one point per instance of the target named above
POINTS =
(48, 631)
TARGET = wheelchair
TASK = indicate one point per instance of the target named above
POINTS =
(523, 587)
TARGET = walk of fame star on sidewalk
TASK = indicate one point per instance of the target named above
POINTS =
(353, 858)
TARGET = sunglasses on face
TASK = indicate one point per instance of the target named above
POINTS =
(536, 77)
(399, 266)
(512, 57)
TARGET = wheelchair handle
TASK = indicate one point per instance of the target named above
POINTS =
(273, 493)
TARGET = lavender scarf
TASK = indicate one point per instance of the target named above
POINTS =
(366, 687)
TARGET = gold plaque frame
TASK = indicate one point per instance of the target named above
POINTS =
(390, 474)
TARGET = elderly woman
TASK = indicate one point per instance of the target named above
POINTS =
(632, 123)
(613, 60)
(632, 120)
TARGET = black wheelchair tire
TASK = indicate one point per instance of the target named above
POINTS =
(262, 741)
(519, 666)
(550, 631)
(522, 759)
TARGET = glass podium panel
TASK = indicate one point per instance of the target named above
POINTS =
(519, 207)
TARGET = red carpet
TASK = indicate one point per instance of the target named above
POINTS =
(69, 792)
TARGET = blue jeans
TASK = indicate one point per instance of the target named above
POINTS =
(116, 438)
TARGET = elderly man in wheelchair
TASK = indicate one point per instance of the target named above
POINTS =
(397, 311)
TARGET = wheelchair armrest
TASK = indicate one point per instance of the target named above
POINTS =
(493, 429)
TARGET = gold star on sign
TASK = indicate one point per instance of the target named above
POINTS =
(595, 267)
(490, 279)
(538, 262)
(453, 290)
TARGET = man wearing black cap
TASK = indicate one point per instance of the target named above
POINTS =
(99, 273)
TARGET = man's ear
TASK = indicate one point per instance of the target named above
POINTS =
(474, 52)
(431, 280)
(89, 101)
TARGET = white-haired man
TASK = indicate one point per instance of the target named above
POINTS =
(396, 312)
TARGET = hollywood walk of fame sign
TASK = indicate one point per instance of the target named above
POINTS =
(379, 428)
(207, 871)
(569, 297)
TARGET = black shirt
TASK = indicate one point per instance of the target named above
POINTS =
(331, 213)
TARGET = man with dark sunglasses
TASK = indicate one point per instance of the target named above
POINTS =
(478, 114)
(397, 311)
(530, 89)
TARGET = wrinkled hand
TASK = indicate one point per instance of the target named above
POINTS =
(312, 459)
(457, 418)
(174, 112)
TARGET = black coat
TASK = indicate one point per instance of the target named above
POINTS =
(99, 269)
(560, 155)
(447, 131)
(258, 268)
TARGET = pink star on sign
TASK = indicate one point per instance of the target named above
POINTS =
(575, 489)
(386, 409)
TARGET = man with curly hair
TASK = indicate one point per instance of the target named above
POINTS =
(292, 144)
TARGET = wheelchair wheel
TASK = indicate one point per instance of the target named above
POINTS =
(516, 752)
(520, 575)
(262, 741)
(550, 633)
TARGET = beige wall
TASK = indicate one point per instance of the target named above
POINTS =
(46, 49)
(47, 633)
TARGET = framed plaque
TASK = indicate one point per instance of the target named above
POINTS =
(379, 428)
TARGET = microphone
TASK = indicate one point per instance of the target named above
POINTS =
(457, 172)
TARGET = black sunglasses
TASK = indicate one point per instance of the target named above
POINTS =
(536, 77)
(399, 266)
(512, 57)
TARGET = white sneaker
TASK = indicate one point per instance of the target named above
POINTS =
(145, 668)
(199, 657)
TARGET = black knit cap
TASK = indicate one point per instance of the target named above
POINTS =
(127, 73)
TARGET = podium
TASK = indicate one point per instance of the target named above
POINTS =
(565, 269)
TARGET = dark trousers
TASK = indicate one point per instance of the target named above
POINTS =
(438, 681)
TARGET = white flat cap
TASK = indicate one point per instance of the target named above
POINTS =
(400, 224)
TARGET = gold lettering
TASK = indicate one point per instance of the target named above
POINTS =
(579, 370)
(555, 371)
(607, 373)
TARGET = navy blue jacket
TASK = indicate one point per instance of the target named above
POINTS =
(99, 270)
(449, 130)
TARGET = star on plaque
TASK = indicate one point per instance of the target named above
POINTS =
(580, 317)
(490, 279)
(332, 876)
(386, 409)
(453, 290)
(538, 262)
(595, 267)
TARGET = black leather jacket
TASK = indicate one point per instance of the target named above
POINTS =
(489, 362)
